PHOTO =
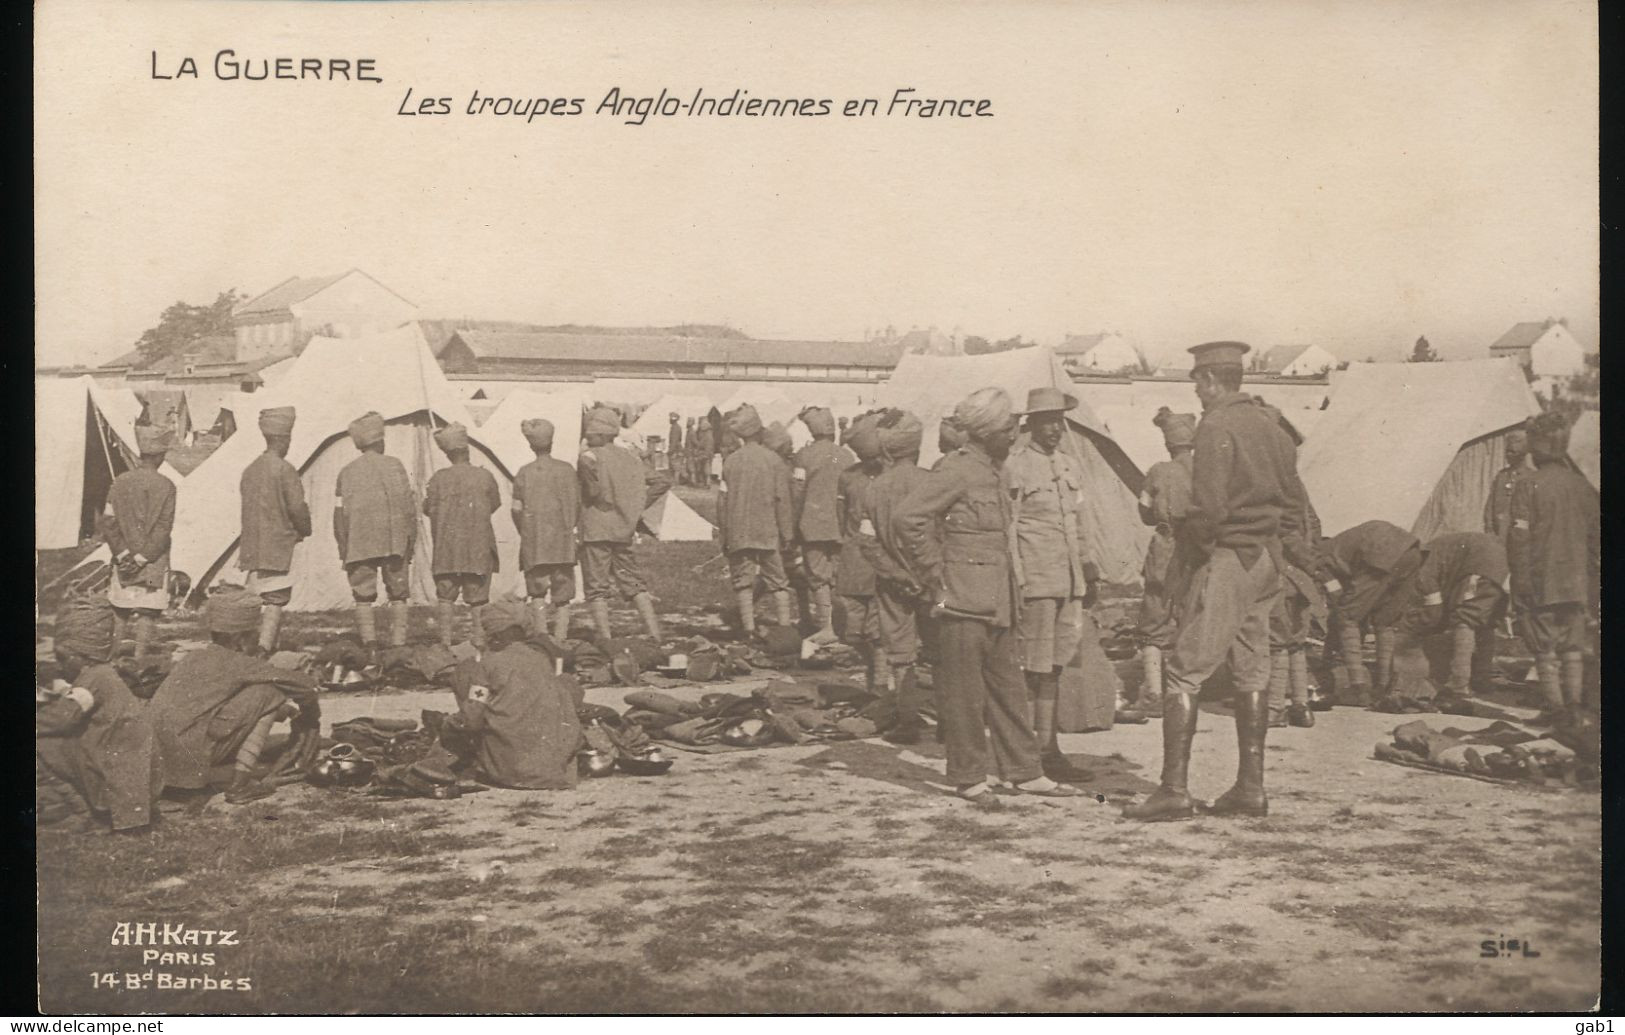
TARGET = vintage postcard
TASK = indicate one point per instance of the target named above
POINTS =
(779, 507)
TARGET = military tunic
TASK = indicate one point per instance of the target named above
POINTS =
(379, 509)
(1371, 562)
(1046, 492)
(522, 719)
(547, 500)
(109, 755)
(855, 576)
(821, 463)
(613, 494)
(141, 505)
(1498, 507)
(1555, 552)
(459, 502)
(953, 531)
(901, 600)
(211, 699)
(275, 516)
(1164, 501)
(755, 511)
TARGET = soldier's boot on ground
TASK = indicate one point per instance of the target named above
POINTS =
(1573, 680)
(1172, 800)
(144, 629)
(1298, 712)
(1549, 673)
(1246, 797)
(445, 618)
(1356, 693)
(645, 603)
(600, 618)
(746, 599)
(826, 617)
(1046, 698)
(1386, 641)
(400, 617)
(476, 629)
(1280, 682)
(561, 622)
(908, 726)
(781, 603)
(1150, 699)
(244, 786)
(270, 628)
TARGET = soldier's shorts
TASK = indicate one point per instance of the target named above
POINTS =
(746, 566)
(609, 570)
(559, 580)
(1227, 617)
(232, 721)
(274, 587)
(862, 620)
(819, 560)
(1555, 629)
(363, 577)
(474, 589)
(900, 619)
(1050, 631)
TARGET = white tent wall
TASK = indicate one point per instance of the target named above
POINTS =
(930, 387)
(671, 520)
(501, 432)
(656, 417)
(80, 427)
(1388, 442)
(1585, 445)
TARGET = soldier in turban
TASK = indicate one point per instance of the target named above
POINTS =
(275, 519)
(92, 731)
(375, 521)
(546, 508)
(854, 575)
(614, 491)
(218, 705)
(818, 468)
(459, 502)
(1164, 501)
(755, 519)
(136, 524)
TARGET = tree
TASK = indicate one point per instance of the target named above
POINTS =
(1422, 352)
(976, 345)
(182, 325)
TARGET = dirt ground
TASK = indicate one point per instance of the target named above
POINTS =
(843, 878)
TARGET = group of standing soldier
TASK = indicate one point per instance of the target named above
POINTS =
(690, 448)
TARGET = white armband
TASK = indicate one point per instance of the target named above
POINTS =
(1433, 600)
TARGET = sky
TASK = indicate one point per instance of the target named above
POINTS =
(1353, 174)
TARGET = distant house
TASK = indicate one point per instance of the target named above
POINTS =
(345, 305)
(543, 355)
(1545, 348)
(1107, 352)
(209, 361)
(1298, 361)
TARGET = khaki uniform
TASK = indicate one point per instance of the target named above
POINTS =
(546, 505)
(275, 518)
(520, 719)
(459, 502)
(1498, 507)
(376, 525)
(818, 467)
(953, 533)
(110, 755)
(209, 703)
(1246, 507)
(1169, 560)
(900, 596)
(1046, 494)
(141, 515)
(1554, 550)
(855, 576)
(755, 514)
(614, 489)
(1463, 582)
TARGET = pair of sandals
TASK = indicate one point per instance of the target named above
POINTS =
(984, 794)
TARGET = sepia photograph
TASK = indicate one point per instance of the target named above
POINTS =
(741, 508)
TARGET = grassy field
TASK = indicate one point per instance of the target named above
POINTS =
(841, 878)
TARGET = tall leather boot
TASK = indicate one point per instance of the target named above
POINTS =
(781, 602)
(144, 629)
(908, 727)
(270, 628)
(1463, 645)
(645, 604)
(1299, 712)
(826, 616)
(1352, 656)
(1172, 800)
(476, 630)
(445, 616)
(600, 618)
(746, 599)
(561, 622)
(366, 626)
(1150, 699)
(400, 616)
(1386, 639)
(1247, 798)
(1280, 680)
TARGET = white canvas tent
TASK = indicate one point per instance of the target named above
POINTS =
(500, 433)
(1585, 446)
(1415, 444)
(84, 437)
(670, 520)
(930, 387)
(656, 417)
(331, 383)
